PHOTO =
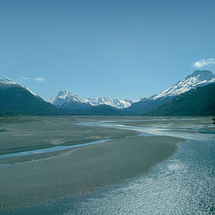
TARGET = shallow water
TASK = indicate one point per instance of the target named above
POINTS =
(51, 149)
(183, 184)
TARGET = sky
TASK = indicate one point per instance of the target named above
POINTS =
(105, 48)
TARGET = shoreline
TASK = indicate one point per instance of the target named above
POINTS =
(83, 170)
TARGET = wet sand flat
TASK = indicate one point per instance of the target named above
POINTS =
(25, 133)
(81, 170)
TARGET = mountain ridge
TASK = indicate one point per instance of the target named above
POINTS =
(19, 99)
(199, 101)
(71, 101)
(196, 79)
(64, 97)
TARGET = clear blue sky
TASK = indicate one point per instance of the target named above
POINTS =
(112, 48)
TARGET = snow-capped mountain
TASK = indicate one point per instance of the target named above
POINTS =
(17, 99)
(118, 103)
(7, 81)
(64, 97)
(197, 79)
(196, 102)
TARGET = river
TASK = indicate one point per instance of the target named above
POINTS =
(183, 184)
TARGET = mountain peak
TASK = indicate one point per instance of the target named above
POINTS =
(6, 81)
(63, 93)
(196, 79)
(204, 74)
(64, 97)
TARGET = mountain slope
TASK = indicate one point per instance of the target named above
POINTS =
(196, 102)
(104, 110)
(145, 105)
(196, 79)
(15, 99)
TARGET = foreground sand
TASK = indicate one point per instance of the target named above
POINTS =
(82, 170)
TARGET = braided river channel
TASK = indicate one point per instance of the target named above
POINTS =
(182, 184)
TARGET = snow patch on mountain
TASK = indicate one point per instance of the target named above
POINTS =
(7, 81)
(67, 97)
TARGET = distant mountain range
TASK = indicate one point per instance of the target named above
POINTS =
(71, 101)
(74, 102)
(194, 95)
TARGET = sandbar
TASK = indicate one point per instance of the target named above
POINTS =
(82, 170)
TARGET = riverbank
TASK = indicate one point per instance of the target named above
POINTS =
(82, 170)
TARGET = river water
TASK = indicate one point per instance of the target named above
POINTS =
(183, 184)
